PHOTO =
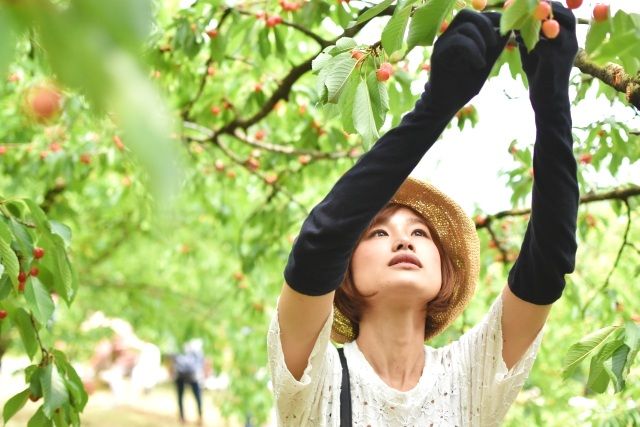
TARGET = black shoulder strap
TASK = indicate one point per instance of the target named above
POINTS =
(345, 392)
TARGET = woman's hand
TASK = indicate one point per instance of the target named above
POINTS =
(462, 58)
(549, 64)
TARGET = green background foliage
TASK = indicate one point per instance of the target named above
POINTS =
(169, 188)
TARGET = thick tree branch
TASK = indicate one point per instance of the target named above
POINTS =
(613, 75)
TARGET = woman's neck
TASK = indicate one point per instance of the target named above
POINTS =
(392, 341)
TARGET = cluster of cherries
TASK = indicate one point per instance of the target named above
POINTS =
(551, 27)
(38, 253)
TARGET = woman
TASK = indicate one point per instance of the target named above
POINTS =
(399, 260)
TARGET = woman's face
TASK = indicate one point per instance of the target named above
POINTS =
(405, 237)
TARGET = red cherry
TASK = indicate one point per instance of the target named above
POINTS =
(356, 54)
(215, 110)
(426, 67)
(542, 11)
(85, 158)
(38, 252)
(382, 75)
(387, 66)
(34, 271)
(260, 134)
(212, 33)
(118, 142)
(22, 277)
(551, 28)
(44, 101)
(21, 287)
(586, 158)
(600, 12)
(273, 20)
(3, 150)
(3, 314)
(574, 4)
(444, 26)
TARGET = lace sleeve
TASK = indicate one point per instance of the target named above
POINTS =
(308, 401)
(493, 387)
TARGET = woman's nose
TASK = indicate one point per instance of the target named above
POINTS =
(403, 244)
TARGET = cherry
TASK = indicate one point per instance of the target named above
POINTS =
(260, 135)
(479, 4)
(273, 20)
(252, 163)
(382, 74)
(542, 11)
(21, 287)
(55, 147)
(590, 220)
(211, 71)
(586, 158)
(444, 26)
(38, 252)
(257, 87)
(34, 271)
(219, 165)
(238, 275)
(271, 178)
(3, 150)
(118, 142)
(212, 33)
(387, 66)
(215, 110)
(574, 4)
(22, 277)
(44, 101)
(3, 314)
(551, 28)
(356, 54)
(426, 67)
(304, 159)
(85, 158)
(600, 12)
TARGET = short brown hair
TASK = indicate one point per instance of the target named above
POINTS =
(351, 302)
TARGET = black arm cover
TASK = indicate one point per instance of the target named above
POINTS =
(320, 255)
(549, 246)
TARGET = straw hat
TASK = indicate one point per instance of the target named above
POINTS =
(459, 239)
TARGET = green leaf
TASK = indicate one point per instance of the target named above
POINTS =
(596, 35)
(78, 394)
(320, 61)
(615, 366)
(426, 22)
(39, 300)
(346, 102)
(39, 217)
(22, 319)
(585, 348)
(393, 33)
(363, 116)
(14, 404)
(598, 377)
(10, 261)
(373, 12)
(7, 41)
(517, 14)
(530, 32)
(341, 67)
(54, 389)
(61, 230)
(379, 99)
(39, 419)
(632, 340)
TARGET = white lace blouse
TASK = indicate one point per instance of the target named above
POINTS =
(465, 383)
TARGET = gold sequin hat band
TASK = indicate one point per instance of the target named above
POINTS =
(459, 239)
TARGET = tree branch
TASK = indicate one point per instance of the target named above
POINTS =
(616, 194)
(613, 75)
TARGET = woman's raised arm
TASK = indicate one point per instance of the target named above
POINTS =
(548, 251)
(460, 64)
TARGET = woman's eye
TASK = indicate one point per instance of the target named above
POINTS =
(421, 232)
(378, 233)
